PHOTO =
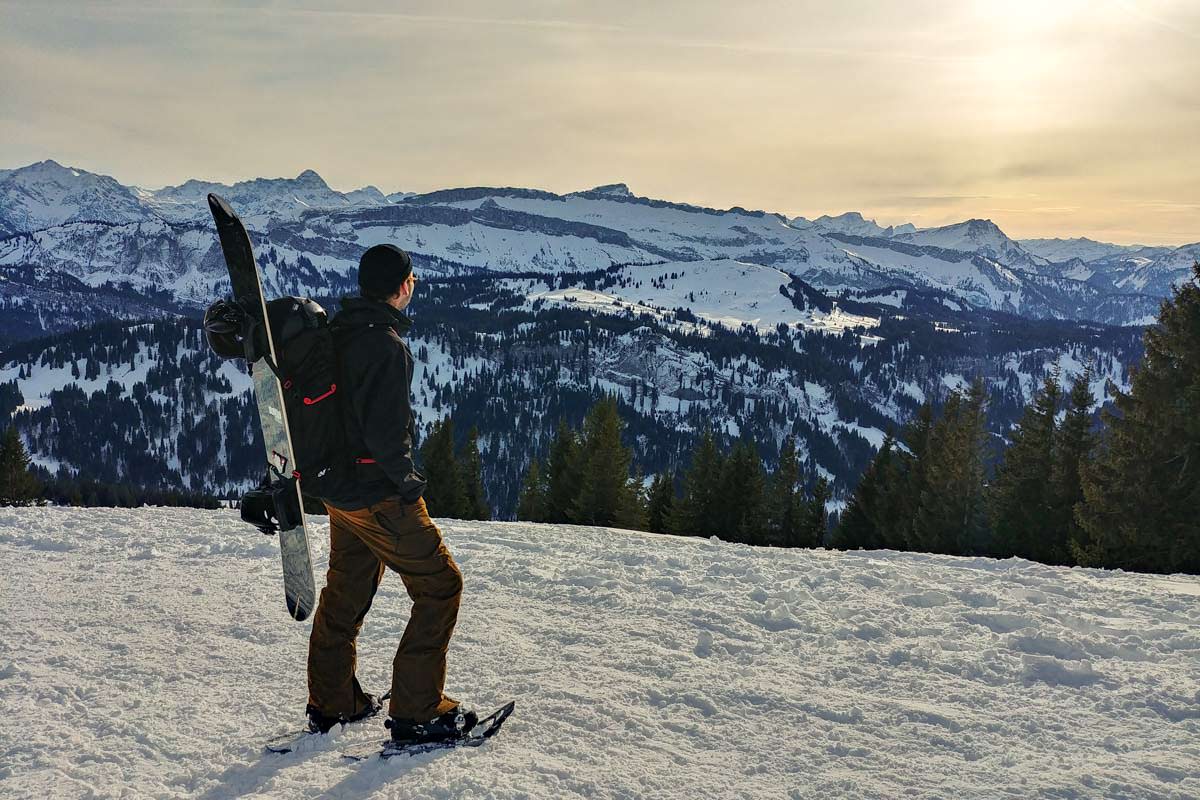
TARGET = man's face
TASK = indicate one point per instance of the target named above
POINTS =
(402, 298)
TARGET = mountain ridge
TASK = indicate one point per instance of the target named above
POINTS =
(309, 238)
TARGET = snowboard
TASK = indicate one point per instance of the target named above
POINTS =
(291, 740)
(298, 587)
(485, 729)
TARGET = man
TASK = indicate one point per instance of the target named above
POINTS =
(379, 521)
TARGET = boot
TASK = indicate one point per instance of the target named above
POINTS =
(454, 724)
(322, 723)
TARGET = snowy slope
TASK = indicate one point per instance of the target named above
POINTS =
(146, 653)
(722, 292)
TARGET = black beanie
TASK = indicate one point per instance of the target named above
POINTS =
(382, 270)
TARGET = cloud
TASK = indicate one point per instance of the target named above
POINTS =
(903, 111)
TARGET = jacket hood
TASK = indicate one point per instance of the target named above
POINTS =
(360, 312)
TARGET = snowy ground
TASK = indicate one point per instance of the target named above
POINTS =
(146, 653)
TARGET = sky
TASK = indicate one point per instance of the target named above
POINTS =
(1049, 117)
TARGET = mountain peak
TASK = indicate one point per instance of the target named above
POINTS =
(48, 163)
(849, 216)
(983, 226)
(612, 190)
(49, 169)
(311, 176)
(852, 223)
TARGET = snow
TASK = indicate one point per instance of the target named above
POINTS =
(1063, 250)
(722, 292)
(149, 655)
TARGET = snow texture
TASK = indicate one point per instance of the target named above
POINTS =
(146, 653)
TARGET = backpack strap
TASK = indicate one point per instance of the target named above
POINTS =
(360, 463)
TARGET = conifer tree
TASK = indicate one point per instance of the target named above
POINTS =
(632, 511)
(604, 488)
(532, 504)
(951, 515)
(1142, 490)
(912, 468)
(1072, 451)
(662, 498)
(475, 505)
(859, 525)
(817, 516)
(783, 519)
(564, 475)
(894, 530)
(694, 512)
(742, 483)
(1022, 501)
(18, 487)
(445, 495)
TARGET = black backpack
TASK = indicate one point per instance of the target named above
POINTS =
(309, 373)
(308, 370)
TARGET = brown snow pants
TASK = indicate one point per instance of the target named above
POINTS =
(362, 544)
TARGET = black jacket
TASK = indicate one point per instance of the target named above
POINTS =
(376, 370)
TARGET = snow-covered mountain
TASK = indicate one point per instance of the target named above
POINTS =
(1081, 248)
(981, 237)
(641, 666)
(164, 239)
(853, 223)
(258, 201)
(46, 194)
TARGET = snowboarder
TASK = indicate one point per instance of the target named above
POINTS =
(379, 520)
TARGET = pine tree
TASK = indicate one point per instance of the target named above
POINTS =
(1072, 452)
(532, 505)
(951, 514)
(912, 467)
(445, 495)
(475, 505)
(1022, 495)
(18, 487)
(694, 512)
(817, 517)
(783, 521)
(859, 525)
(742, 482)
(1142, 490)
(564, 475)
(604, 489)
(662, 498)
(632, 510)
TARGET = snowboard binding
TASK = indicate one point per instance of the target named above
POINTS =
(273, 506)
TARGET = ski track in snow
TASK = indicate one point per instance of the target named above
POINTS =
(146, 653)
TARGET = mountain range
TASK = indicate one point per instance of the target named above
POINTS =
(832, 330)
(64, 222)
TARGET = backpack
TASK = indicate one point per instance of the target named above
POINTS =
(308, 370)
(309, 373)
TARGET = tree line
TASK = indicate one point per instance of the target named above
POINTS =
(1123, 494)
(585, 479)
(23, 483)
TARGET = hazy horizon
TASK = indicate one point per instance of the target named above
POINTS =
(1074, 119)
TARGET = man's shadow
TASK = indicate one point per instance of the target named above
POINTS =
(242, 779)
